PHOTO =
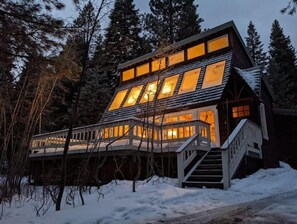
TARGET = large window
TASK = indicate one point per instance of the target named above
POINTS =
(176, 58)
(158, 64)
(196, 51)
(214, 74)
(149, 92)
(117, 101)
(168, 87)
(143, 69)
(133, 96)
(190, 81)
(218, 43)
(128, 74)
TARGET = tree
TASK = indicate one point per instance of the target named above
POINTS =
(171, 21)
(282, 68)
(29, 41)
(90, 23)
(291, 7)
(122, 40)
(255, 47)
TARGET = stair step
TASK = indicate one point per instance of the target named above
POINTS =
(208, 172)
(213, 157)
(209, 166)
(211, 161)
(201, 184)
(208, 178)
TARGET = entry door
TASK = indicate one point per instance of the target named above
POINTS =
(209, 117)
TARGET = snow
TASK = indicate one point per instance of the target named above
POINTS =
(251, 76)
(158, 199)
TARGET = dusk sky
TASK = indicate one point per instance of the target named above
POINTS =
(216, 12)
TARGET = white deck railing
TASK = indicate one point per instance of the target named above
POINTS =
(187, 152)
(246, 139)
(124, 134)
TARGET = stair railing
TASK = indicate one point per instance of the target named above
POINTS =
(187, 152)
(245, 139)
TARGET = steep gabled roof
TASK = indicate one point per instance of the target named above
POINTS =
(177, 101)
(253, 77)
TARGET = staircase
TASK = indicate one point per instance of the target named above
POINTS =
(217, 166)
(208, 173)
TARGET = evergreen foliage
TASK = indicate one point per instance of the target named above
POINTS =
(171, 21)
(282, 68)
(122, 40)
(255, 47)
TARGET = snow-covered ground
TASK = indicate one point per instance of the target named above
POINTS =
(159, 199)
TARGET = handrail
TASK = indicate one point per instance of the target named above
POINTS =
(186, 153)
(114, 132)
(246, 138)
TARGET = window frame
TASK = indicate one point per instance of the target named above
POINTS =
(126, 104)
(170, 57)
(216, 39)
(162, 95)
(142, 100)
(193, 49)
(133, 76)
(121, 101)
(180, 91)
(208, 84)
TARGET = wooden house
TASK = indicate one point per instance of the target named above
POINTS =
(200, 108)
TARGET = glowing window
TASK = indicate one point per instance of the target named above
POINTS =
(209, 117)
(241, 111)
(158, 64)
(176, 58)
(128, 74)
(214, 74)
(185, 117)
(149, 92)
(143, 69)
(133, 96)
(218, 43)
(171, 119)
(118, 99)
(196, 51)
(168, 87)
(190, 81)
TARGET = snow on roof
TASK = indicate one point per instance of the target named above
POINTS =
(252, 77)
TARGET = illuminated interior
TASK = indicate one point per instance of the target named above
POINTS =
(241, 111)
(192, 52)
(214, 74)
(183, 117)
(168, 87)
(190, 81)
(128, 74)
(209, 117)
(116, 131)
(158, 64)
(117, 101)
(176, 58)
(133, 96)
(149, 92)
(196, 51)
(143, 69)
(218, 43)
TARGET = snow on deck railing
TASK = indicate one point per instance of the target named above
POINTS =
(124, 134)
(246, 139)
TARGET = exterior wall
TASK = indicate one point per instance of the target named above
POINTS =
(286, 141)
(269, 148)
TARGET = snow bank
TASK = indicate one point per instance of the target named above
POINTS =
(159, 199)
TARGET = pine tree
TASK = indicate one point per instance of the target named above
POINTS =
(171, 21)
(282, 68)
(255, 47)
(122, 39)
